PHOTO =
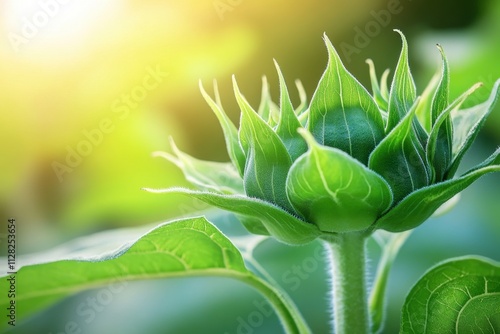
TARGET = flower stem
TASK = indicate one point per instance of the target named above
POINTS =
(350, 302)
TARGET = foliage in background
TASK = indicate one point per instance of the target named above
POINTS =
(294, 197)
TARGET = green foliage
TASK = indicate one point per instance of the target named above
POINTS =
(190, 247)
(336, 169)
(283, 226)
(413, 144)
(342, 112)
(458, 296)
(401, 148)
(207, 175)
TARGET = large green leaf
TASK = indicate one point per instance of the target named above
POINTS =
(280, 224)
(188, 247)
(288, 123)
(401, 160)
(458, 296)
(234, 150)
(421, 204)
(342, 113)
(206, 175)
(403, 91)
(267, 160)
(182, 248)
(335, 191)
(466, 126)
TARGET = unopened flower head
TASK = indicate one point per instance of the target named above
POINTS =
(348, 160)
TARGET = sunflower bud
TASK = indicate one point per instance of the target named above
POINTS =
(348, 160)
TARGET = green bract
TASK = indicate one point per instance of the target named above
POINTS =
(346, 161)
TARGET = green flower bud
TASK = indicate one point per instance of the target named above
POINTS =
(346, 161)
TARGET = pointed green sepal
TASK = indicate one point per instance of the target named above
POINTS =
(281, 225)
(335, 191)
(423, 112)
(440, 140)
(401, 160)
(466, 126)
(403, 91)
(420, 205)
(267, 160)
(440, 99)
(342, 113)
(302, 96)
(440, 159)
(268, 110)
(205, 175)
(288, 123)
(230, 132)
(377, 93)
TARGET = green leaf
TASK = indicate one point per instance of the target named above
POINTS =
(401, 160)
(281, 225)
(183, 248)
(377, 93)
(206, 175)
(267, 161)
(466, 126)
(342, 114)
(421, 204)
(288, 123)
(460, 295)
(403, 91)
(335, 191)
(439, 144)
(234, 150)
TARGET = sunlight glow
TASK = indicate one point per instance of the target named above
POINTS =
(46, 26)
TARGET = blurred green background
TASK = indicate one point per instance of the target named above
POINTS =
(124, 74)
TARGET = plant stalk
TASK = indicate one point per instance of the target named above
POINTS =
(350, 302)
(289, 315)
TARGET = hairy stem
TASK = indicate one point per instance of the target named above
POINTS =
(350, 302)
